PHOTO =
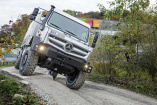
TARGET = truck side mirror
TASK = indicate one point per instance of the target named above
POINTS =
(95, 39)
(34, 14)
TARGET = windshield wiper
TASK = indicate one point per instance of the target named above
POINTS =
(55, 25)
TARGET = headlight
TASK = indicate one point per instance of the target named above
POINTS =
(86, 66)
(41, 48)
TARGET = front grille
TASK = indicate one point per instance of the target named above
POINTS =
(57, 38)
(78, 53)
(59, 43)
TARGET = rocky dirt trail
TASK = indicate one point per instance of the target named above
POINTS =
(56, 92)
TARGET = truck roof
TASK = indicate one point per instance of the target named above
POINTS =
(71, 17)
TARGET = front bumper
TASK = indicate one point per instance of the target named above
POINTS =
(65, 60)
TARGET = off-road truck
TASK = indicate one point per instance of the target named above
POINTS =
(59, 42)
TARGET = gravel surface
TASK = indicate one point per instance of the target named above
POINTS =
(45, 98)
(56, 92)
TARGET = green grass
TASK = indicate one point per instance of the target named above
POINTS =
(9, 87)
(145, 87)
(6, 65)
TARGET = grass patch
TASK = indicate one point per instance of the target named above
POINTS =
(145, 87)
(6, 65)
(9, 87)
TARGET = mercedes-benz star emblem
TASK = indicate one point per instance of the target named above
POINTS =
(68, 47)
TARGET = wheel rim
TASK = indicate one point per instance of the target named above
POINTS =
(18, 55)
(24, 60)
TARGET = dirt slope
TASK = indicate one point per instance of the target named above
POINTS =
(56, 92)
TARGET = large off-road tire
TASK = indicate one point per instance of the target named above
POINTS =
(17, 64)
(76, 80)
(28, 62)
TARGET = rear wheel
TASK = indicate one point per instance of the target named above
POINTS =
(28, 62)
(75, 80)
(18, 60)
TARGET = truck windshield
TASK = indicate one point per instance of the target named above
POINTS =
(69, 26)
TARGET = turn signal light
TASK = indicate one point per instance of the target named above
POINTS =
(39, 34)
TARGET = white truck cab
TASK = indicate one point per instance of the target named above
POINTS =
(59, 42)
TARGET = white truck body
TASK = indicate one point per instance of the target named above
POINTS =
(58, 42)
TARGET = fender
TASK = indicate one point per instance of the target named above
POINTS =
(35, 41)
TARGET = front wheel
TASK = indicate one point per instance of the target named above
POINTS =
(75, 80)
(28, 62)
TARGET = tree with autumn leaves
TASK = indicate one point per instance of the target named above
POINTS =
(13, 34)
(20, 27)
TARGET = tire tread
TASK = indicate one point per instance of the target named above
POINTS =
(30, 65)
(79, 82)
